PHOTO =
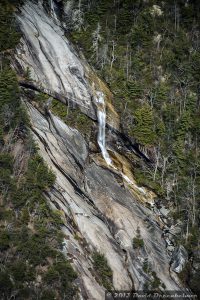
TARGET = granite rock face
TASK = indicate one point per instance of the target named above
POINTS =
(105, 215)
(96, 200)
(51, 60)
(179, 259)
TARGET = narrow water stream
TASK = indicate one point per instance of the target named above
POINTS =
(101, 114)
(53, 13)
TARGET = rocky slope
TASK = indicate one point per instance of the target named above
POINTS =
(102, 206)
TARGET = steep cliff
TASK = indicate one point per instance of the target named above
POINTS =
(102, 207)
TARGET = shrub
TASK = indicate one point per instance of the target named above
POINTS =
(5, 284)
(9, 37)
(4, 240)
(156, 281)
(18, 270)
(143, 131)
(74, 117)
(38, 174)
(103, 270)
(6, 161)
(137, 241)
(48, 295)
(62, 276)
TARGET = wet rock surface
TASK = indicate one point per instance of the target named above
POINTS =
(97, 201)
(104, 213)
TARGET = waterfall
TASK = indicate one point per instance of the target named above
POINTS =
(53, 13)
(101, 114)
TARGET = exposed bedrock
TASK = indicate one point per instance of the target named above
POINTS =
(53, 64)
(101, 204)
(104, 213)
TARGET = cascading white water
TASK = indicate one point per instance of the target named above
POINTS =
(53, 13)
(126, 215)
(101, 114)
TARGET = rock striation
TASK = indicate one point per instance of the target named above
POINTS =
(100, 211)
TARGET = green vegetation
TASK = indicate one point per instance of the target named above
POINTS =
(143, 176)
(156, 281)
(188, 275)
(144, 126)
(72, 117)
(103, 270)
(9, 37)
(138, 241)
(11, 111)
(61, 276)
(147, 52)
(59, 109)
(31, 239)
(41, 98)
(146, 266)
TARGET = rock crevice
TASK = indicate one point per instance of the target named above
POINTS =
(105, 215)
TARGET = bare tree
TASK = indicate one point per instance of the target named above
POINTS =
(96, 39)
(104, 55)
(127, 60)
(157, 154)
(77, 17)
(113, 58)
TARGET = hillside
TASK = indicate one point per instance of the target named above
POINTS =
(99, 148)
